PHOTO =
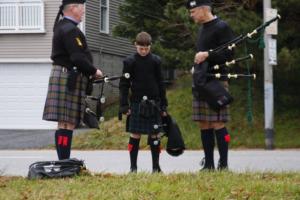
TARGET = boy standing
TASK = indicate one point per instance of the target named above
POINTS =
(147, 100)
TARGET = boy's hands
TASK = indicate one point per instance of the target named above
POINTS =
(164, 114)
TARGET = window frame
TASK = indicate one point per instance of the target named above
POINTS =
(106, 31)
(81, 25)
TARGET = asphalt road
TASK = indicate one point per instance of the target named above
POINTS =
(20, 148)
(28, 139)
(16, 162)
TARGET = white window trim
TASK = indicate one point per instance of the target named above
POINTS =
(17, 28)
(82, 23)
(107, 18)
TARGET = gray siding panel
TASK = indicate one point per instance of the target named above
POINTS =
(31, 46)
(105, 43)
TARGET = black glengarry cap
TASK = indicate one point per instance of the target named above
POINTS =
(66, 2)
(196, 3)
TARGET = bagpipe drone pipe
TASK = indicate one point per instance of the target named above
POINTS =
(206, 81)
(91, 118)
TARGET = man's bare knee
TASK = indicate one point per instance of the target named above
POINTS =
(66, 125)
(218, 125)
(204, 125)
(135, 135)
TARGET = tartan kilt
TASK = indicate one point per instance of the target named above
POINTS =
(61, 104)
(140, 125)
(202, 111)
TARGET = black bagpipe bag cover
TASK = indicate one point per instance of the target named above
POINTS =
(216, 95)
(175, 143)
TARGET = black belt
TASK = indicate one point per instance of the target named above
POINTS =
(64, 69)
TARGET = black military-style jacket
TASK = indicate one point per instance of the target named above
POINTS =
(212, 35)
(146, 79)
(69, 48)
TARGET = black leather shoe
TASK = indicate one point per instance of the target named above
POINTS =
(222, 166)
(156, 170)
(133, 170)
(206, 166)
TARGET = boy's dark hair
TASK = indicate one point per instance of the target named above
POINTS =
(143, 39)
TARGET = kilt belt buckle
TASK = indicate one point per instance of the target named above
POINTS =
(64, 69)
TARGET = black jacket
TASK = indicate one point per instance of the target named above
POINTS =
(146, 79)
(69, 48)
(212, 35)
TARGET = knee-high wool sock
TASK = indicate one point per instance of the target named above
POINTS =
(208, 142)
(63, 142)
(133, 148)
(223, 139)
(155, 151)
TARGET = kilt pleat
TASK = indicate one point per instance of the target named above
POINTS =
(202, 111)
(141, 125)
(61, 104)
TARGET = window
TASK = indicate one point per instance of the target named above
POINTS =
(104, 16)
(25, 16)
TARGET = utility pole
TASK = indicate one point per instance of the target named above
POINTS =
(268, 79)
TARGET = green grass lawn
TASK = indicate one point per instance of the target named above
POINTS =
(143, 186)
(244, 134)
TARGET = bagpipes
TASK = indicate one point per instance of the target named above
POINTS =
(91, 118)
(215, 94)
(175, 144)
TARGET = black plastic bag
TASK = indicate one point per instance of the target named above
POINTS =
(56, 169)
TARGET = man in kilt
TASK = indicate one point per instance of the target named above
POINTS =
(147, 101)
(72, 67)
(213, 33)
